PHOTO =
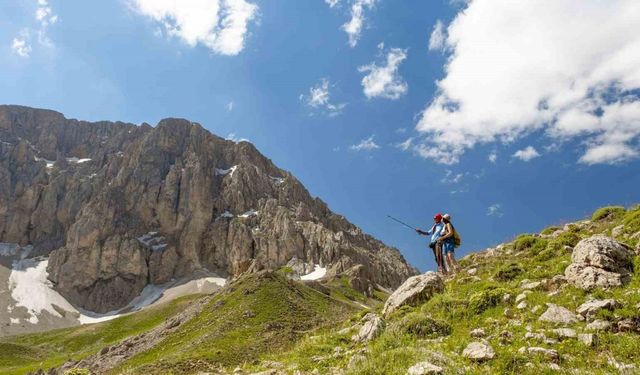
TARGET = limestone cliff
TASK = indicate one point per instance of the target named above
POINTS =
(117, 206)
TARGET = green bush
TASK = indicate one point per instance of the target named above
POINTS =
(486, 299)
(421, 325)
(533, 245)
(631, 221)
(609, 212)
(508, 272)
(550, 230)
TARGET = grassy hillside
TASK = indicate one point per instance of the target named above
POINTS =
(483, 296)
(258, 314)
(264, 321)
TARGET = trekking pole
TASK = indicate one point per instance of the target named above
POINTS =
(401, 222)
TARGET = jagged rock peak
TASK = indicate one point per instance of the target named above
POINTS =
(117, 206)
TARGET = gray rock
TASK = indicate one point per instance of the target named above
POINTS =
(565, 333)
(532, 285)
(617, 231)
(372, 328)
(590, 308)
(600, 261)
(534, 350)
(479, 351)
(424, 368)
(416, 289)
(522, 305)
(535, 336)
(472, 271)
(588, 339)
(163, 202)
(558, 314)
(599, 325)
(355, 361)
(522, 296)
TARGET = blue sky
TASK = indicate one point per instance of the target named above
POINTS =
(508, 117)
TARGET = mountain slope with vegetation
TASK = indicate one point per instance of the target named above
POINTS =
(510, 310)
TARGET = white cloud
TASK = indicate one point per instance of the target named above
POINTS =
(44, 17)
(319, 98)
(21, 47)
(495, 210)
(220, 25)
(332, 3)
(229, 106)
(515, 68)
(365, 145)
(452, 178)
(438, 37)
(406, 145)
(233, 137)
(526, 154)
(493, 156)
(384, 81)
(353, 28)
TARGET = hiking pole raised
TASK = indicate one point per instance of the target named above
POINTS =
(401, 222)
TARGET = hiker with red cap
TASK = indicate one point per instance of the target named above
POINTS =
(435, 232)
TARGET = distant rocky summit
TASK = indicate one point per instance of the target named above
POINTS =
(117, 206)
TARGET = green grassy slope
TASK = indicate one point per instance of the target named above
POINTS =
(439, 330)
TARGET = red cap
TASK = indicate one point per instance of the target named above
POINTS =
(438, 217)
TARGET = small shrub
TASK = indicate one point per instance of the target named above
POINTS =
(486, 299)
(533, 245)
(609, 212)
(422, 326)
(631, 221)
(447, 307)
(508, 272)
(550, 230)
(546, 254)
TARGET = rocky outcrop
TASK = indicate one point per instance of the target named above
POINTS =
(372, 328)
(117, 206)
(417, 289)
(600, 261)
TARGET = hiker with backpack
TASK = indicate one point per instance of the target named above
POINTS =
(435, 232)
(449, 240)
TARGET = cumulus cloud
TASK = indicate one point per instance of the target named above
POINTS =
(220, 25)
(353, 27)
(332, 3)
(365, 145)
(384, 81)
(319, 98)
(493, 156)
(495, 210)
(526, 154)
(438, 37)
(20, 47)
(515, 68)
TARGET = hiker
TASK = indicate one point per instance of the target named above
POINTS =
(435, 232)
(448, 244)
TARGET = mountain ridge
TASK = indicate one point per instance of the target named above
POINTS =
(116, 207)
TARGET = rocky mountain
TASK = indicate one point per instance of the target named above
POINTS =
(116, 207)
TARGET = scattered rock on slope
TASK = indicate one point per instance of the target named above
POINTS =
(558, 314)
(416, 289)
(600, 261)
(372, 328)
(479, 351)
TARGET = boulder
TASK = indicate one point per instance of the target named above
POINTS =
(534, 350)
(372, 328)
(479, 351)
(414, 290)
(589, 339)
(565, 333)
(590, 308)
(558, 314)
(424, 368)
(600, 261)
(599, 325)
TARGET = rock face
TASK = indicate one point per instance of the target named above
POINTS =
(558, 314)
(478, 351)
(372, 328)
(600, 261)
(117, 206)
(416, 289)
